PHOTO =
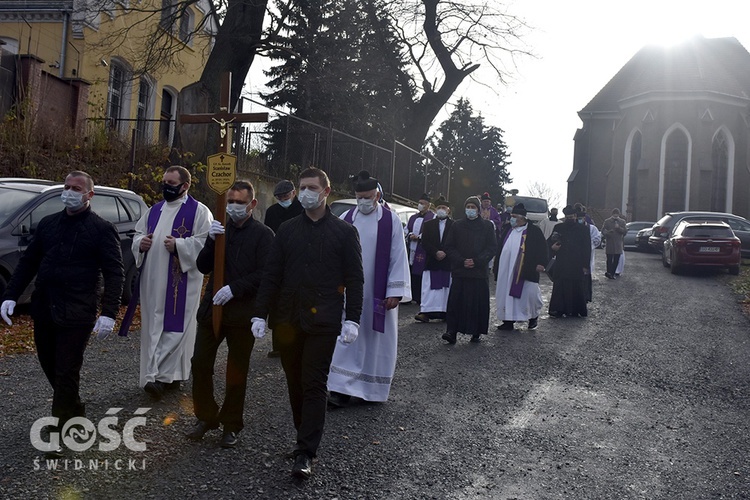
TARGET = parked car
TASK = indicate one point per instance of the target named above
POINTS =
(24, 202)
(338, 207)
(633, 228)
(641, 240)
(663, 228)
(702, 243)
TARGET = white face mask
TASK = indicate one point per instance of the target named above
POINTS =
(421, 207)
(309, 199)
(286, 203)
(237, 211)
(71, 199)
(442, 213)
(471, 213)
(366, 205)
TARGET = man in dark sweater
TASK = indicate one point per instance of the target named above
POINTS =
(69, 251)
(315, 261)
(247, 245)
(288, 207)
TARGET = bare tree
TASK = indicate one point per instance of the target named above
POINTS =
(541, 190)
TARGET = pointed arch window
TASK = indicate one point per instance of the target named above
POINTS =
(635, 160)
(675, 171)
(720, 167)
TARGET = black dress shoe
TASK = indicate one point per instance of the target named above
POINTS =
(155, 390)
(200, 429)
(507, 325)
(339, 400)
(302, 468)
(475, 338)
(533, 323)
(173, 386)
(230, 439)
(449, 337)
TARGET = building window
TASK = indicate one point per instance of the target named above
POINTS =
(167, 15)
(143, 134)
(186, 26)
(116, 94)
(179, 23)
(675, 172)
(720, 164)
(166, 123)
(635, 160)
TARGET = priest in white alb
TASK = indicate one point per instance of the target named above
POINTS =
(365, 367)
(523, 255)
(168, 239)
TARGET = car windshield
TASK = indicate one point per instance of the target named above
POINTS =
(11, 200)
(536, 205)
(708, 232)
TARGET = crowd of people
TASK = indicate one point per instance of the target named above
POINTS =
(328, 288)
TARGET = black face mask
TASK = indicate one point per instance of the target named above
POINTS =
(170, 192)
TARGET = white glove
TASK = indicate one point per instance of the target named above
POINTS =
(103, 327)
(216, 228)
(258, 328)
(349, 332)
(223, 296)
(6, 310)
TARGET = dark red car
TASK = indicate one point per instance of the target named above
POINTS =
(702, 243)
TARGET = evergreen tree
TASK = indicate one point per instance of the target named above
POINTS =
(477, 154)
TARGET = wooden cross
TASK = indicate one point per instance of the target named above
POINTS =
(224, 117)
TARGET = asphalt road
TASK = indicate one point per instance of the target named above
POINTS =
(647, 398)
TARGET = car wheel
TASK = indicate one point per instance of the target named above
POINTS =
(131, 278)
(734, 270)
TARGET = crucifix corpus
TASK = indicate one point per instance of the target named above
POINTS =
(221, 173)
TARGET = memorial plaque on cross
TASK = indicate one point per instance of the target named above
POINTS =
(223, 167)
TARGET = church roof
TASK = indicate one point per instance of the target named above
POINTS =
(716, 65)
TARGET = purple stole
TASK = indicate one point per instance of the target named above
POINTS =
(382, 263)
(420, 256)
(176, 296)
(516, 287)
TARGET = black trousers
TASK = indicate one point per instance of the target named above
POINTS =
(240, 342)
(416, 288)
(613, 259)
(306, 359)
(60, 350)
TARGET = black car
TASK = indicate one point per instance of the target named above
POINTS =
(24, 202)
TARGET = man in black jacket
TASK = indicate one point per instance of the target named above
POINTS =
(69, 251)
(247, 245)
(288, 207)
(523, 255)
(436, 280)
(315, 261)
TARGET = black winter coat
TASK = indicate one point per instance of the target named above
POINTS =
(432, 243)
(68, 254)
(247, 248)
(536, 251)
(574, 254)
(310, 267)
(471, 239)
(276, 214)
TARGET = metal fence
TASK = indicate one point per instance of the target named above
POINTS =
(286, 145)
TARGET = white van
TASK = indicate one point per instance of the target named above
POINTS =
(536, 208)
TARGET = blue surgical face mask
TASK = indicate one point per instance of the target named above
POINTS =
(286, 203)
(366, 205)
(442, 213)
(581, 221)
(471, 213)
(513, 222)
(237, 211)
(71, 199)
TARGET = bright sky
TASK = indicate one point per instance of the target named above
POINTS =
(581, 44)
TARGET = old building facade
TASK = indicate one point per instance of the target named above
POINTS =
(669, 132)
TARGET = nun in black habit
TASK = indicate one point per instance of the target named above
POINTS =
(470, 245)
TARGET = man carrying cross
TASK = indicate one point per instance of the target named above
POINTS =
(167, 242)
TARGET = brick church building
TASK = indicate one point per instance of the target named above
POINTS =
(669, 132)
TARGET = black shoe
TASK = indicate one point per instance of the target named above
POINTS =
(533, 323)
(449, 337)
(422, 317)
(339, 400)
(555, 314)
(230, 439)
(475, 338)
(155, 390)
(200, 429)
(507, 325)
(173, 386)
(302, 468)
(274, 354)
